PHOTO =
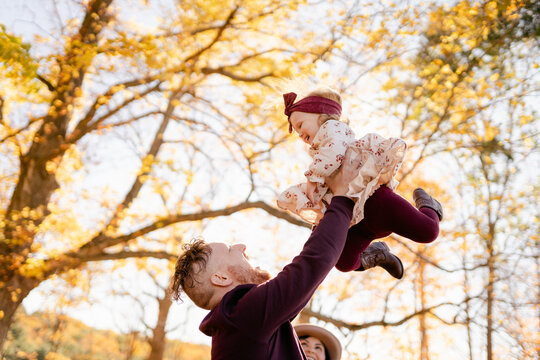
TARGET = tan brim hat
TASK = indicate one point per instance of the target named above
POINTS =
(328, 339)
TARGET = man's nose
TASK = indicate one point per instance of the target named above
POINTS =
(240, 247)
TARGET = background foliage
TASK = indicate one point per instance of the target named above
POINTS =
(43, 336)
(128, 127)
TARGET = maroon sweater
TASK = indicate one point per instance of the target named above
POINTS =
(253, 322)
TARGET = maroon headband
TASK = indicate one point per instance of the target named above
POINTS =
(310, 104)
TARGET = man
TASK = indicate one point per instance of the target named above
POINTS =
(250, 313)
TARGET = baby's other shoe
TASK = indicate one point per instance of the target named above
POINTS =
(378, 254)
(422, 199)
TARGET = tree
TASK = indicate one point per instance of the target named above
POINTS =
(108, 78)
(141, 303)
(472, 96)
(465, 80)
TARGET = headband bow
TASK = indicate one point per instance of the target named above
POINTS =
(310, 104)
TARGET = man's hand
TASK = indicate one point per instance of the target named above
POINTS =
(339, 181)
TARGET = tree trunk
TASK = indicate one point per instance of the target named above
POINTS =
(132, 338)
(468, 324)
(11, 297)
(489, 303)
(424, 348)
(37, 181)
(537, 257)
(158, 341)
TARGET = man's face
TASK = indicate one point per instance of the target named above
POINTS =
(306, 125)
(234, 260)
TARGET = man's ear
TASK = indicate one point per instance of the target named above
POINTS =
(221, 278)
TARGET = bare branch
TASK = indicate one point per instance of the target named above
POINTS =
(98, 240)
(46, 82)
(83, 127)
(420, 255)
(355, 327)
(20, 130)
(224, 72)
(126, 122)
(102, 241)
(128, 255)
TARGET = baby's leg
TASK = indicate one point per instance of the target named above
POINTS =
(385, 211)
(360, 253)
(358, 239)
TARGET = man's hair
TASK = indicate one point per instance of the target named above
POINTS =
(188, 265)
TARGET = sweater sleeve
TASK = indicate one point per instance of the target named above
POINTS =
(280, 299)
(332, 142)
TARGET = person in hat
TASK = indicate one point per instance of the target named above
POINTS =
(378, 210)
(318, 343)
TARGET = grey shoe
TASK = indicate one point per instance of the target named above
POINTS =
(378, 254)
(422, 199)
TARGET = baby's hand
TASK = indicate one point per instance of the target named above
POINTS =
(310, 189)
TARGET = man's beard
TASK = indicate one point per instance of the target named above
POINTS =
(249, 276)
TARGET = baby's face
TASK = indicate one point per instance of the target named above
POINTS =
(306, 125)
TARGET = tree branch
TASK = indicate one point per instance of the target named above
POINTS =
(355, 327)
(101, 241)
(19, 130)
(128, 255)
(46, 82)
(216, 38)
(222, 71)
(1, 110)
(74, 260)
(93, 250)
(424, 258)
(83, 127)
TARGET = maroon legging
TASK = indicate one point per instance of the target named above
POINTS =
(386, 212)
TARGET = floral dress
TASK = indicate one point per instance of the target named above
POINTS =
(380, 158)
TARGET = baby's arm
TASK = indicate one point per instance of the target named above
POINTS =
(332, 144)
